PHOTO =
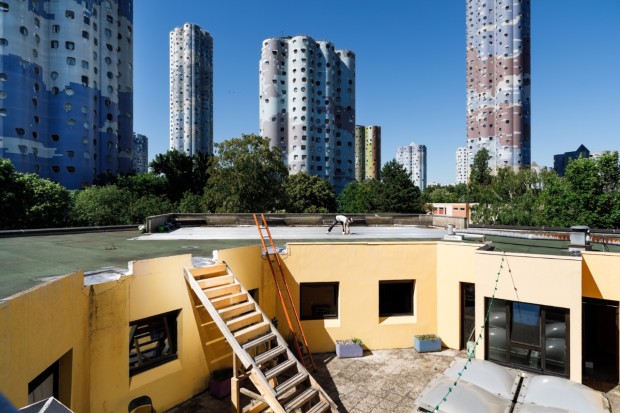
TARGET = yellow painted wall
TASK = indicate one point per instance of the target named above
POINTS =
(359, 267)
(600, 275)
(455, 264)
(39, 327)
(539, 279)
(155, 287)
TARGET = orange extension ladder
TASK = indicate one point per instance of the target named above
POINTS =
(292, 316)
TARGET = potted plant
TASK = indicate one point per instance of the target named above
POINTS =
(219, 384)
(349, 348)
(426, 342)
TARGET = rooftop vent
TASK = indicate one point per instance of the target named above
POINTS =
(579, 239)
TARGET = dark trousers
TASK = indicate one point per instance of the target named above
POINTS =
(334, 224)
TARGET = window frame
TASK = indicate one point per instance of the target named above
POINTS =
(167, 324)
(541, 348)
(324, 316)
(394, 313)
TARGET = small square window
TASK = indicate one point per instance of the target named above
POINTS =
(395, 298)
(318, 301)
(152, 342)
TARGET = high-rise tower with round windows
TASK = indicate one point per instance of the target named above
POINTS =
(191, 90)
(307, 106)
(498, 81)
(66, 80)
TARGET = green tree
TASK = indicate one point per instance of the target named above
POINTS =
(144, 184)
(247, 176)
(480, 173)
(360, 197)
(102, 205)
(10, 196)
(183, 172)
(307, 193)
(45, 204)
(398, 193)
(145, 206)
(192, 203)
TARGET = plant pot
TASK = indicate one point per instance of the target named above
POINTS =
(425, 345)
(219, 388)
(348, 350)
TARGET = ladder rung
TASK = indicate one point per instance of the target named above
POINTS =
(269, 355)
(216, 281)
(235, 310)
(229, 300)
(290, 383)
(280, 368)
(248, 333)
(244, 320)
(320, 407)
(222, 290)
(303, 398)
(258, 341)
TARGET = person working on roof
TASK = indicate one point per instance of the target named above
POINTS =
(342, 220)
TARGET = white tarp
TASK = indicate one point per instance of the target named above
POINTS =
(491, 377)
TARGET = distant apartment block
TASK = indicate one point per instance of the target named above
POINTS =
(367, 152)
(560, 161)
(413, 158)
(498, 81)
(462, 167)
(140, 153)
(191, 90)
(307, 106)
(66, 88)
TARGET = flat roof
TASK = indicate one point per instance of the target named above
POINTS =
(26, 261)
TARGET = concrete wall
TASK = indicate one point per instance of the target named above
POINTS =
(538, 279)
(39, 327)
(358, 268)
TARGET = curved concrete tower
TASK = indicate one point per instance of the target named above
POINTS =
(66, 88)
(191, 90)
(498, 81)
(307, 106)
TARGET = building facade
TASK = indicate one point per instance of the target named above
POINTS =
(140, 153)
(66, 88)
(560, 161)
(413, 158)
(191, 90)
(498, 81)
(367, 152)
(462, 167)
(307, 106)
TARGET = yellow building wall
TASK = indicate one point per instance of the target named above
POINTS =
(358, 267)
(39, 327)
(155, 287)
(538, 279)
(455, 264)
(600, 275)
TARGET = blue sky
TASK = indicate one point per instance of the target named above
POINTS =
(410, 68)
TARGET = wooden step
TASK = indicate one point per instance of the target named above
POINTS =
(258, 341)
(246, 334)
(207, 272)
(222, 290)
(320, 407)
(303, 398)
(269, 355)
(216, 281)
(290, 383)
(229, 300)
(236, 310)
(244, 320)
(279, 369)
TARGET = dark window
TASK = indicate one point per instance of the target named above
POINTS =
(395, 298)
(4, 6)
(528, 336)
(45, 385)
(69, 45)
(468, 313)
(318, 300)
(152, 342)
(69, 14)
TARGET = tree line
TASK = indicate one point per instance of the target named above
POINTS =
(587, 194)
(246, 175)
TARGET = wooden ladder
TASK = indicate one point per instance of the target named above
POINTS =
(292, 316)
(282, 381)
